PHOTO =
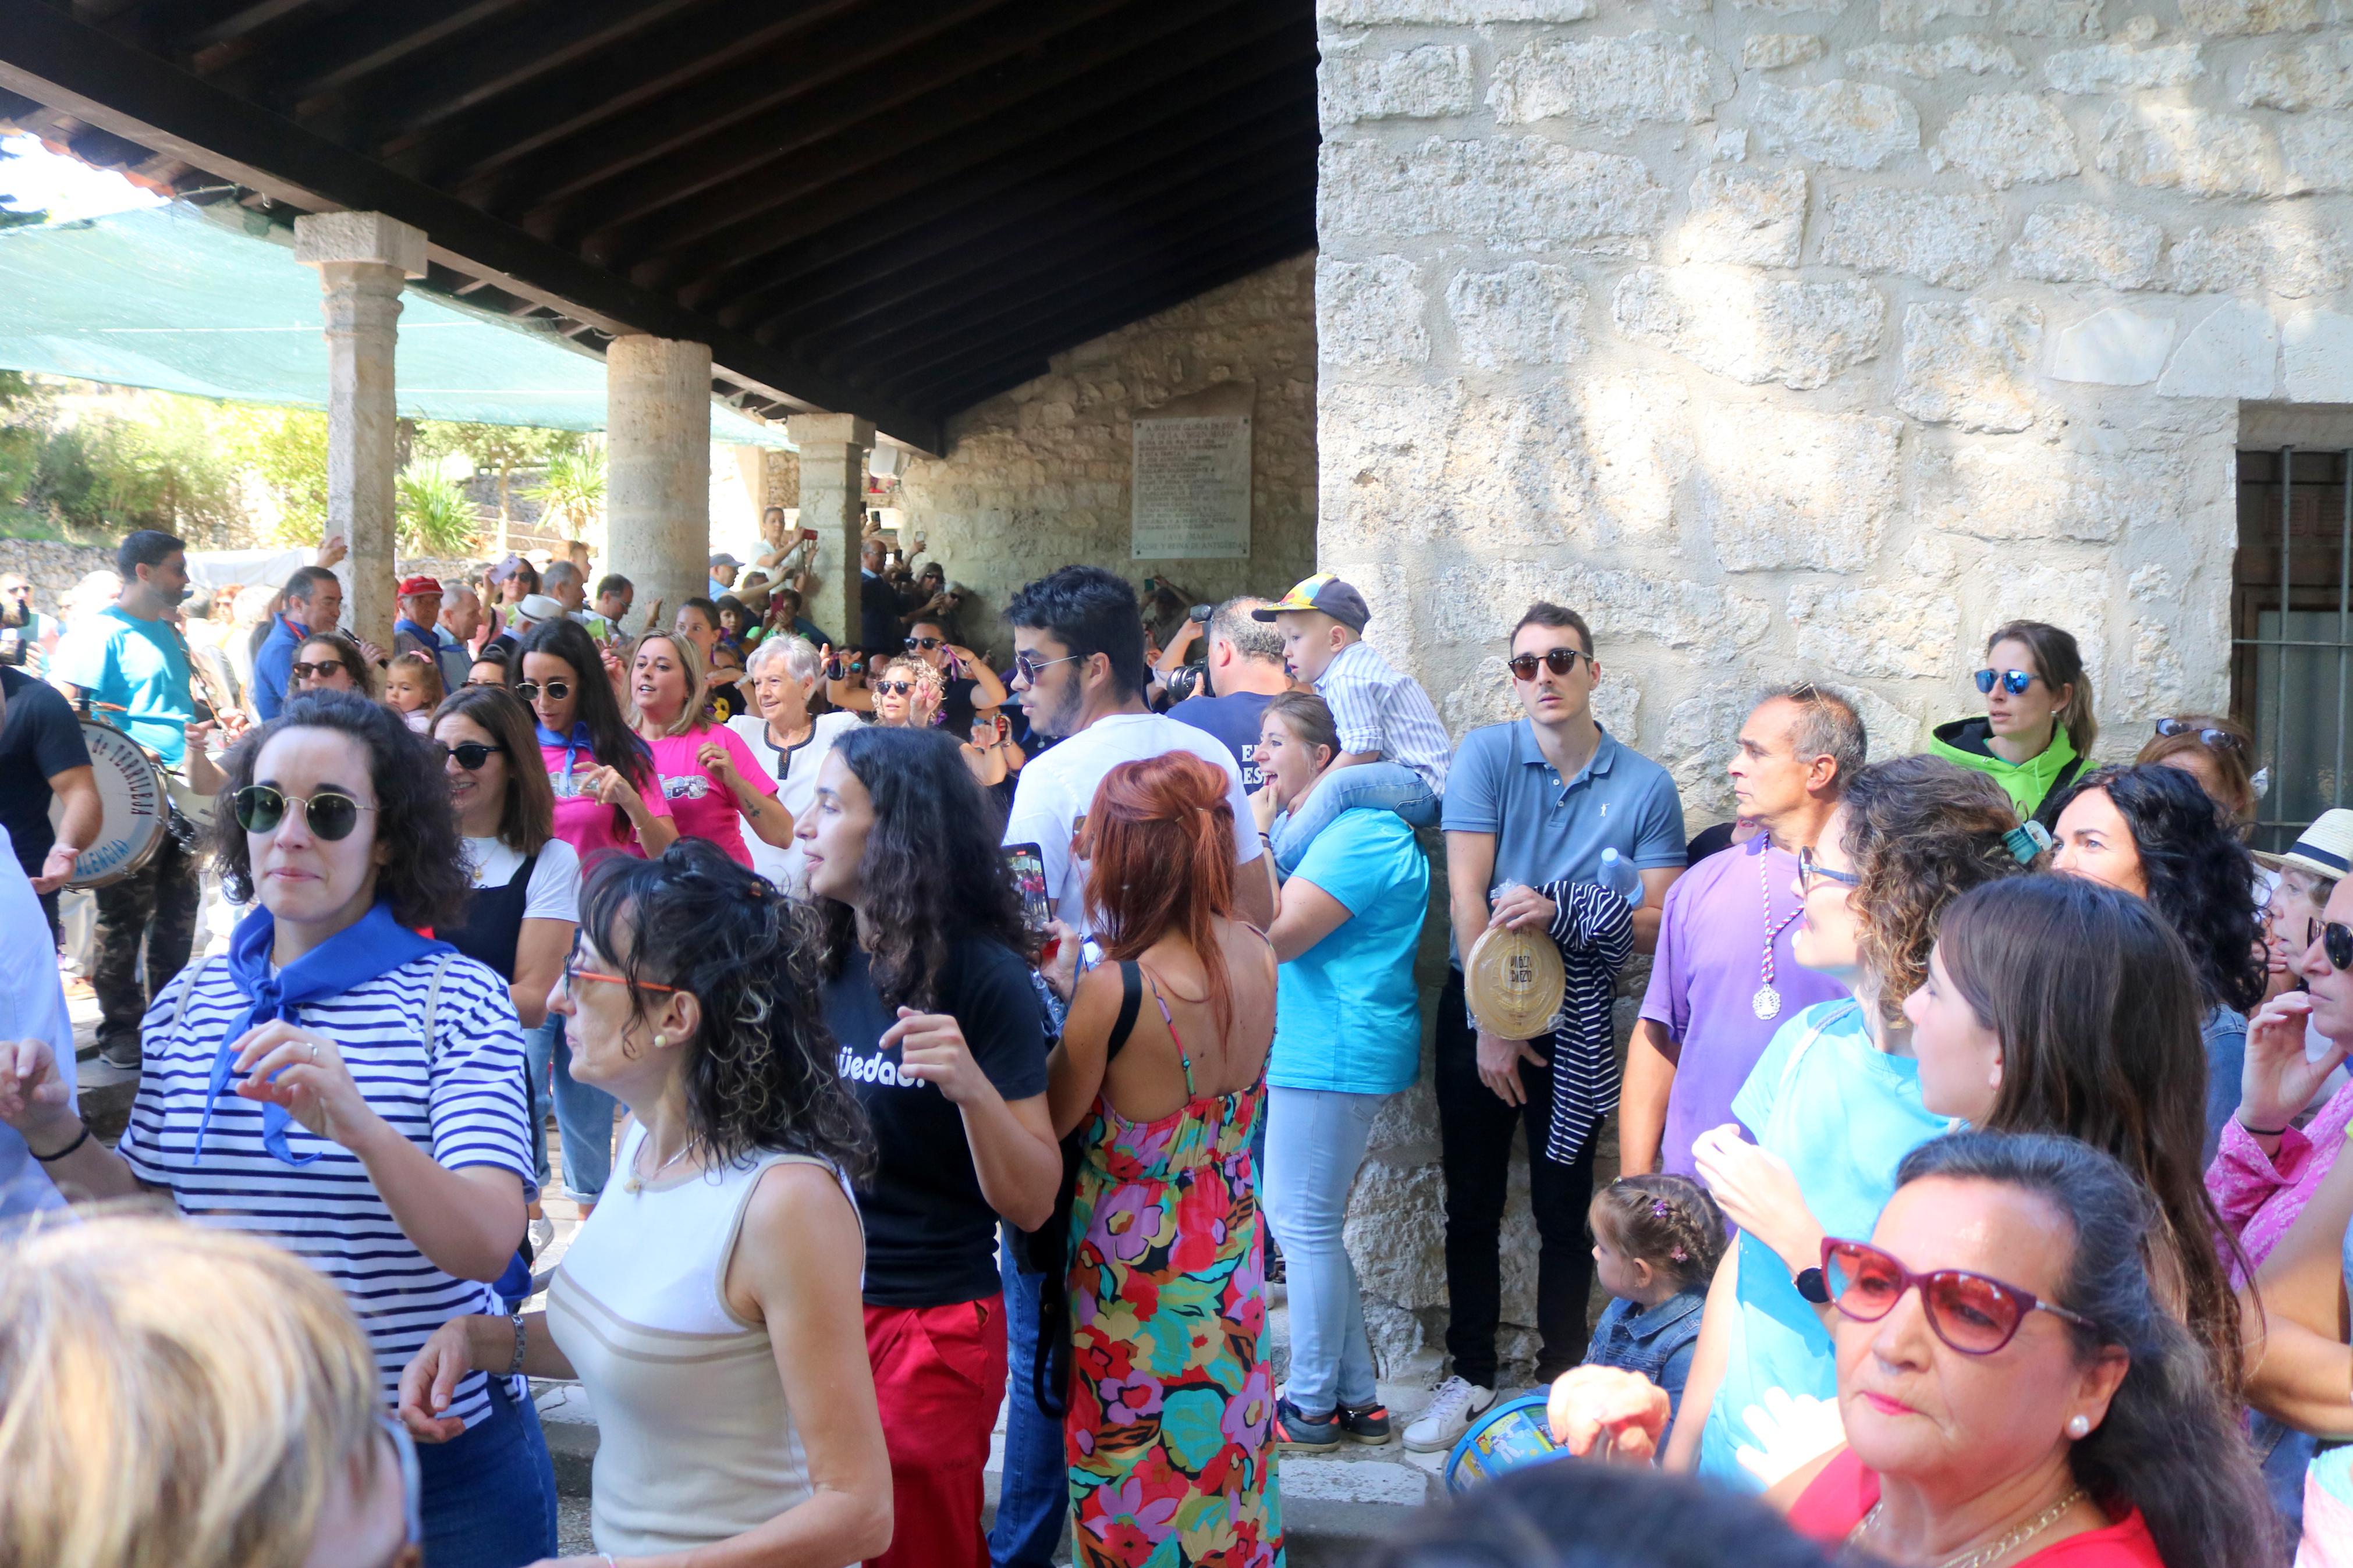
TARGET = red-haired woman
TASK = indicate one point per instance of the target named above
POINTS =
(1170, 1427)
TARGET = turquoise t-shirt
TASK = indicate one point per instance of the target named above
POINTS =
(1845, 1119)
(1347, 1016)
(138, 666)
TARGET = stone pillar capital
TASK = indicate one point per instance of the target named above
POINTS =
(320, 238)
(831, 430)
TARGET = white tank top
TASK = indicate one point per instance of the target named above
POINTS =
(696, 1440)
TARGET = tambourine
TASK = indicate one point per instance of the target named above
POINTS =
(1515, 980)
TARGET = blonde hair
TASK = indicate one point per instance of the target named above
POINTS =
(173, 1397)
(915, 672)
(698, 681)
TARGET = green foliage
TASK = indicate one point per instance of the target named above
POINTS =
(286, 450)
(494, 448)
(573, 489)
(435, 517)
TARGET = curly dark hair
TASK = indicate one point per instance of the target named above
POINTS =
(2170, 1444)
(425, 878)
(933, 873)
(2200, 878)
(1667, 1221)
(762, 1071)
(1921, 832)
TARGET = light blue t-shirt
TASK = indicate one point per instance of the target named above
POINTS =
(1347, 1018)
(1845, 1119)
(137, 666)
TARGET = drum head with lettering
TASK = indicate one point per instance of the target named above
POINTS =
(1515, 980)
(135, 810)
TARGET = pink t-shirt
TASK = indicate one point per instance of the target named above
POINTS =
(702, 805)
(582, 820)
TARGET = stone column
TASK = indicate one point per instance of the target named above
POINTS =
(833, 449)
(363, 260)
(658, 468)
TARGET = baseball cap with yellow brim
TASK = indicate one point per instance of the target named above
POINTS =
(1322, 592)
(2325, 848)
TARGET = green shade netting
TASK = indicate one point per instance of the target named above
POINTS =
(172, 299)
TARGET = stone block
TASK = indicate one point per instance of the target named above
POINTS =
(1749, 328)
(1781, 490)
(1893, 631)
(2315, 76)
(2041, 492)
(1451, 13)
(1849, 125)
(1381, 455)
(1425, 83)
(1486, 697)
(1701, 734)
(1395, 1233)
(320, 238)
(2081, 243)
(1476, 603)
(1771, 51)
(1910, 16)
(2118, 67)
(1752, 216)
(1968, 364)
(2008, 139)
(1529, 314)
(2019, 585)
(2234, 353)
(1638, 449)
(2316, 357)
(1513, 193)
(2232, 18)
(1889, 731)
(1972, 53)
(1946, 240)
(2051, 18)
(1613, 82)
(2317, 150)
(1369, 313)
(2115, 347)
(2291, 257)
(2195, 151)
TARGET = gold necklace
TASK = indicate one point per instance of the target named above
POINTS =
(637, 1183)
(1993, 1552)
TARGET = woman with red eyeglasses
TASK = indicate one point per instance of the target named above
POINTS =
(2037, 727)
(2012, 1392)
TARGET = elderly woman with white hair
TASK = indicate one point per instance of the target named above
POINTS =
(788, 741)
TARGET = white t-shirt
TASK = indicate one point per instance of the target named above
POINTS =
(32, 1007)
(1050, 803)
(796, 775)
(554, 890)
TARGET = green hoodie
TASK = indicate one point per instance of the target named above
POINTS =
(2028, 783)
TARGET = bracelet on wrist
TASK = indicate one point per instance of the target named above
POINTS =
(53, 1159)
(514, 1367)
(2261, 1132)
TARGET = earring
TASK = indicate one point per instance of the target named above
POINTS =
(2079, 1427)
(660, 1042)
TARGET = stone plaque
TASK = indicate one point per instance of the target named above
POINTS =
(1191, 488)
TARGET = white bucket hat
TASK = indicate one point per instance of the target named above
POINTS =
(2325, 848)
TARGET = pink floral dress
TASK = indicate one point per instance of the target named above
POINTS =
(1170, 1431)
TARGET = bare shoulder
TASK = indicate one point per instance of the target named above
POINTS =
(802, 1203)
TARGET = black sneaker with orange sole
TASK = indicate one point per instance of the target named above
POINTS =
(1366, 1424)
(1294, 1429)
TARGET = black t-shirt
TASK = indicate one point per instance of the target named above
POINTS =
(723, 699)
(931, 1237)
(878, 616)
(1234, 719)
(40, 739)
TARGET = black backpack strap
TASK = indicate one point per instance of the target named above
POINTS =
(1130, 1002)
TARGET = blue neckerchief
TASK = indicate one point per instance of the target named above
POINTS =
(422, 633)
(372, 946)
(577, 744)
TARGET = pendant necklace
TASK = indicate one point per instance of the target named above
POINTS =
(1766, 1003)
(637, 1183)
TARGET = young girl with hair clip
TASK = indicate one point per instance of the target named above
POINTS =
(1656, 1242)
(1163, 1063)
(412, 689)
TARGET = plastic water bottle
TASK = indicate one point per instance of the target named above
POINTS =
(1621, 878)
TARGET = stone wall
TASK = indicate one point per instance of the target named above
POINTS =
(1038, 476)
(1807, 338)
(53, 566)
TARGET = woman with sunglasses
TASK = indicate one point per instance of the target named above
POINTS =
(709, 777)
(710, 1307)
(1834, 1103)
(2037, 727)
(330, 661)
(346, 1085)
(607, 796)
(2152, 832)
(2214, 751)
(161, 1345)
(907, 695)
(2011, 1389)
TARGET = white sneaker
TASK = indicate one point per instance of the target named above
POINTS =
(542, 1236)
(1450, 1411)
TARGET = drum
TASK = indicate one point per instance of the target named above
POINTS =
(1515, 980)
(138, 807)
(1511, 1436)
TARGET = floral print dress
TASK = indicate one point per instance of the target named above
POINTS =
(1170, 1431)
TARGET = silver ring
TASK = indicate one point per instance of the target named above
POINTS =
(315, 1053)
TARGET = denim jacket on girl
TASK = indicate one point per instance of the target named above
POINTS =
(1657, 1344)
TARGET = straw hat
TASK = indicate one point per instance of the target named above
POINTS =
(2325, 848)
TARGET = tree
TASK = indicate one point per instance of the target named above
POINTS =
(434, 516)
(286, 449)
(495, 448)
(573, 489)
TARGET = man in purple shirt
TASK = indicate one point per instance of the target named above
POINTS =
(1724, 979)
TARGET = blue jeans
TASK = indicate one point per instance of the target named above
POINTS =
(1034, 1498)
(1314, 1143)
(584, 1116)
(1382, 786)
(489, 1495)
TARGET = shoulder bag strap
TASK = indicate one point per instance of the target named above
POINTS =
(1130, 1002)
(433, 1008)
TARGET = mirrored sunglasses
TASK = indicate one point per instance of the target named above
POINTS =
(2014, 681)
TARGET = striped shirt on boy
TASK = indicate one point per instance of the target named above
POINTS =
(1378, 709)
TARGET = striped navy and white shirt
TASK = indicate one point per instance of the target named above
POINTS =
(1376, 709)
(1594, 929)
(464, 1103)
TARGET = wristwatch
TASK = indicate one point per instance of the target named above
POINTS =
(1811, 1286)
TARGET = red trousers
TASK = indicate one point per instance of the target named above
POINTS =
(939, 1375)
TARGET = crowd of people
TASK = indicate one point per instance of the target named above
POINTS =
(924, 1039)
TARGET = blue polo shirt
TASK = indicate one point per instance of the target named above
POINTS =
(140, 667)
(1547, 829)
(273, 667)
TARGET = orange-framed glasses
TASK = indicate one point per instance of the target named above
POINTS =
(574, 975)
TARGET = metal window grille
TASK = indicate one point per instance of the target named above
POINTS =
(2291, 631)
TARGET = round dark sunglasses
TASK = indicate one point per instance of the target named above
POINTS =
(2218, 739)
(528, 691)
(2336, 940)
(1559, 660)
(896, 687)
(1976, 1314)
(926, 643)
(472, 755)
(2014, 681)
(331, 816)
(324, 668)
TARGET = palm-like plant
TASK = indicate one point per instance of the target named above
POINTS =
(573, 489)
(434, 516)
